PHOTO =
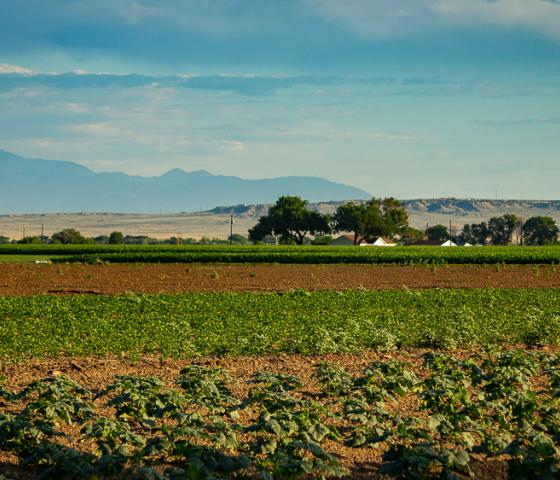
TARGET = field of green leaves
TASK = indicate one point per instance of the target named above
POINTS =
(293, 322)
(288, 254)
(496, 407)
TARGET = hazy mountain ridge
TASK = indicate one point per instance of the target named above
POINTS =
(37, 186)
(463, 207)
(455, 207)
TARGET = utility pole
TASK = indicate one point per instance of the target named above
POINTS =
(231, 229)
(42, 233)
(450, 232)
(23, 226)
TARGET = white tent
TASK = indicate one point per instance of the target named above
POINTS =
(467, 245)
(449, 243)
(381, 242)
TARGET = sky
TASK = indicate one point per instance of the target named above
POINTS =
(404, 98)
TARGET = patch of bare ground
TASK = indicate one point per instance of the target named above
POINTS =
(31, 279)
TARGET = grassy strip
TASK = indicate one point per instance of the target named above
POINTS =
(298, 322)
(289, 254)
(402, 256)
(23, 258)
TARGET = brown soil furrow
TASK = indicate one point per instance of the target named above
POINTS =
(30, 279)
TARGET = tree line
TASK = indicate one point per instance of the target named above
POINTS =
(292, 221)
(71, 236)
(504, 230)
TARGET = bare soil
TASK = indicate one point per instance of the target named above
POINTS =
(32, 279)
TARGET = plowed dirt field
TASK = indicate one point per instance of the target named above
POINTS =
(31, 279)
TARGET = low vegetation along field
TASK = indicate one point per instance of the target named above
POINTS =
(289, 254)
(279, 371)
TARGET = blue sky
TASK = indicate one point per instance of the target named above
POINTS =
(410, 98)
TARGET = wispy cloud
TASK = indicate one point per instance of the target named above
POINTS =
(245, 83)
(361, 90)
(7, 69)
(389, 18)
(521, 122)
(286, 35)
(95, 129)
(392, 136)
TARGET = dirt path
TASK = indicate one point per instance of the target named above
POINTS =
(31, 279)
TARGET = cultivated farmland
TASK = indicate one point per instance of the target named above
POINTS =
(289, 254)
(28, 279)
(284, 363)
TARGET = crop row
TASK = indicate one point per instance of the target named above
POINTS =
(294, 322)
(358, 255)
(290, 254)
(79, 249)
(497, 407)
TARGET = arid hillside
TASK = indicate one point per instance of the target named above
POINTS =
(216, 222)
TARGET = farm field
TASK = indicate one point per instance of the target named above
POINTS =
(281, 371)
(415, 413)
(289, 254)
(285, 322)
(23, 279)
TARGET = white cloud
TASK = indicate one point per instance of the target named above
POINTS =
(381, 18)
(234, 146)
(100, 128)
(6, 68)
(216, 17)
(393, 137)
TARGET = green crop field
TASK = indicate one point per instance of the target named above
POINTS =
(484, 410)
(496, 408)
(298, 322)
(289, 254)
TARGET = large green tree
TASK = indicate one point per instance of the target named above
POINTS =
(34, 240)
(502, 229)
(438, 233)
(116, 238)
(540, 231)
(291, 219)
(475, 233)
(377, 217)
(69, 236)
(352, 217)
(394, 214)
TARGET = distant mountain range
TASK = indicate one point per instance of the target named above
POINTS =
(40, 186)
(431, 211)
(461, 207)
(452, 207)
